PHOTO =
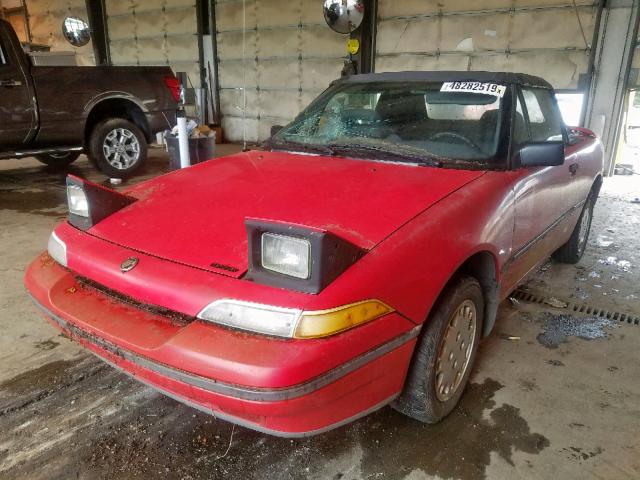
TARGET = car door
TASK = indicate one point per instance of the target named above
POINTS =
(17, 108)
(543, 196)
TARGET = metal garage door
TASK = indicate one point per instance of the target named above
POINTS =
(549, 38)
(154, 33)
(45, 22)
(290, 56)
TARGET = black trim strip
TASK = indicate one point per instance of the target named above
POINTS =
(527, 246)
(246, 423)
(232, 390)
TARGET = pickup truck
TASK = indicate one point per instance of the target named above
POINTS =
(56, 113)
(356, 261)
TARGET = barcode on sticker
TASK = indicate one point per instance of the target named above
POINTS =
(474, 87)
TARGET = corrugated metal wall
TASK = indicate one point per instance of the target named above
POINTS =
(543, 37)
(154, 33)
(290, 56)
(45, 21)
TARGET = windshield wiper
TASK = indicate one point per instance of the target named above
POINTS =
(302, 147)
(420, 160)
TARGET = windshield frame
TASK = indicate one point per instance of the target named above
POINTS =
(499, 161)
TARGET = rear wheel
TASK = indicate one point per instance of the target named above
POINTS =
(573, 250)
(58, 160)
(445, 353)
(117, 147)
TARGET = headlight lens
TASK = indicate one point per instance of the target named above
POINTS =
(254, 317)
(57, 249)
(287, 255)
(77, 199)
(291, 322)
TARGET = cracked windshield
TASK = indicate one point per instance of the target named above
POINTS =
(418, 122)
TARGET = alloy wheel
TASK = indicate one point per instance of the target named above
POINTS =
(121, 148)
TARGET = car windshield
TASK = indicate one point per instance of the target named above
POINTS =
(441, 121)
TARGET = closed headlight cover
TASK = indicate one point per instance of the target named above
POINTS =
(296, 258)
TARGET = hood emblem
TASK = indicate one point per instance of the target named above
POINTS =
(128, 265)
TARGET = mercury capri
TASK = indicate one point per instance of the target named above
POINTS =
(353, 261)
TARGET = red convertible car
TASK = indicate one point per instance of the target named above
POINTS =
(356, 260)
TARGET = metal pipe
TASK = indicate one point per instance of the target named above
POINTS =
(183, 140)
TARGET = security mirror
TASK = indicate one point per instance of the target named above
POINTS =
(343, 16)
(76, 31)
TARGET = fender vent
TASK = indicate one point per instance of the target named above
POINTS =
(540, 299)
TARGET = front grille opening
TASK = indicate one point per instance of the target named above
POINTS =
(173, 317)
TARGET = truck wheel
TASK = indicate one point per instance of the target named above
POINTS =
(445, 353)
(572, 251)
(117, 147)
(58, 160)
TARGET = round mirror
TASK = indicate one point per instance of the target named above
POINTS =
(76, 31)
(343, 16)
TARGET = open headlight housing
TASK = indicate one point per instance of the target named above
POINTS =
(296, 257)
(90, 203)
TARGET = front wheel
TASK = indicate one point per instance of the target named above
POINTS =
(573, 250)
(58, 160)
(445, 353)
(117, 147)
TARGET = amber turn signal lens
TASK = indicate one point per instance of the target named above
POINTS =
(323, 323)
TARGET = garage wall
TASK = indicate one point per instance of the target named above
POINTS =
(540, 37)
(160, 32)
(290, 56)
(45, 21)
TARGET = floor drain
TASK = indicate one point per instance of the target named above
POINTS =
(530, 297)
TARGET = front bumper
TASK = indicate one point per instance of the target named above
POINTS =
(251, 380)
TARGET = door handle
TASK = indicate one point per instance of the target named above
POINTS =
(573, 168)
(10, 83)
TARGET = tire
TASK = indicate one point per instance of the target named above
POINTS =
(424, 396)
(58, 160)
(572, 251)
(117, 147)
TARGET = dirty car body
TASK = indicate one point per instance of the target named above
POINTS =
(288, 289)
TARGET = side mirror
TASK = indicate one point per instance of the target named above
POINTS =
(540, 154)
(275, 129)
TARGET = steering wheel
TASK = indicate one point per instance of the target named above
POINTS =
(457, 136)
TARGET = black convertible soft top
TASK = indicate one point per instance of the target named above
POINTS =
(448, 76)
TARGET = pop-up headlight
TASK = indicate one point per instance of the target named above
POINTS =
(77, 200)
(90, 203)
(296, 257)
(286, 255)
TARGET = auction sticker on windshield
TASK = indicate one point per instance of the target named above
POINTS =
(474, 87)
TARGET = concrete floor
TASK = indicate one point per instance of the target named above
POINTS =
(552, 395)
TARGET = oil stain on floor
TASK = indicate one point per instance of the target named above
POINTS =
(559, 327)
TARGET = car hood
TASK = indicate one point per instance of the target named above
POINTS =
(196, 216)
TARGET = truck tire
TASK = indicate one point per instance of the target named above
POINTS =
(117, 147)
(572, 251)
(445, 353)
(58, 160)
